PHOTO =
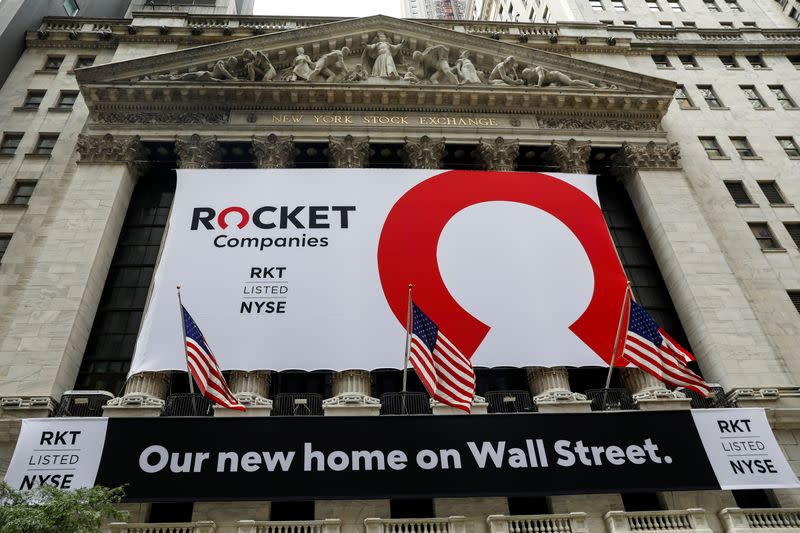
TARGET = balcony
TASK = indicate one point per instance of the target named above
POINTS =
(611, 400)
(305, 404)
(83, 403)
(453, 524)
(405, 403)
(660, 521)
(185, 404)
(736, 520)
(510, 401)
(172, 527)
(547, 523)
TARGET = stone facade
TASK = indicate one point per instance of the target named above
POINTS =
(731, 296)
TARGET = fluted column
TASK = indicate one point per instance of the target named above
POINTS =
(650, 393)
(348, 152)
(551, 391)
(273, 151)
(144, 396)
(252, 390)
(570, 156)
(351, 388)
(498, 154)
(424, 152)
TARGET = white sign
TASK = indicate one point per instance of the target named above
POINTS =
(63, 452)
(309, 269)
(742, 449)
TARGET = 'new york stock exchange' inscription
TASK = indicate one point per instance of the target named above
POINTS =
(385, 120)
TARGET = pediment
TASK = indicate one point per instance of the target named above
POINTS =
(381, 55)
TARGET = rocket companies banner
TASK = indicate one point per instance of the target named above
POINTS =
(309, 269)
(311, 458)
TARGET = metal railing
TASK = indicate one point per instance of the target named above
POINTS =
(405, 403)
(297, 404)
(715, 400)
(510, 401)
(187, 404)
(83, 403)
(611, 400)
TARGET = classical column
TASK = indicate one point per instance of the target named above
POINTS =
(252, 391)
(273, 151)
(551, 391)
(570, 156)
(351, 388)
(696, 272)
(424, 152)
(498, 154)
(348, 152)
(650, 393)
(197, 151)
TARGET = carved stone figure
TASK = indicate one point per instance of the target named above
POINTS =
(357, 74)
(330, 67)
(541, 77)
(302, 65)
(256, 66)
(216, 72)
(467, 73)
(378, 58)
(432, 65)
(505, 73)
(411, 76)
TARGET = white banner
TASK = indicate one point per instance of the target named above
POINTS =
(63, 452)
(742, 449)
(309, 269)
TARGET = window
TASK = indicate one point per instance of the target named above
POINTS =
(665, 24)
(67, 99)
(766, 240)
(10, 143)
(528, 505)
(71, 7)
(782, 96)
(772, 192)
(789, 146)
(661, 61)
(794, 60)
(711, 6)
(689, 24)
(733, 5)
(629, 23)
(738, 193)
(45, 143)
(794, 231)
(546, 14)
(684, 102)
(597, 5)
(84, 61)
(653, 5)
(794, 296)
(743, 148)
(283, 511)
(712, 148)
(710, 96)
(753, 97)
(411, 508)
(619, 5)
(726, 24)
(641, 501)
(675, 5)
(688, 61)
(749, 24)
(729, 62)
(756, 62)
(4, 240)
(53, 62)
(532, 14)
(33, 99)
(23, 190)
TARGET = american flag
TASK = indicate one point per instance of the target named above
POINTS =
(443, 369)
(204, 367)
(650, 348)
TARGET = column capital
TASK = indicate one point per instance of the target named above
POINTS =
(650, 156)
(348, 151)
(498, 154)
(109, 148)
(197, 151)
(570, 156)
(424, 152)
(272, 151)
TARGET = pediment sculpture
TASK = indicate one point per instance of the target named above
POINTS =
(383, 61)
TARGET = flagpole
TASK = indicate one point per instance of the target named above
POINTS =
(409, 326)
(616, 341)
(185, 351)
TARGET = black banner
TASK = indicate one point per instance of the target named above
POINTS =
(310, 458)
